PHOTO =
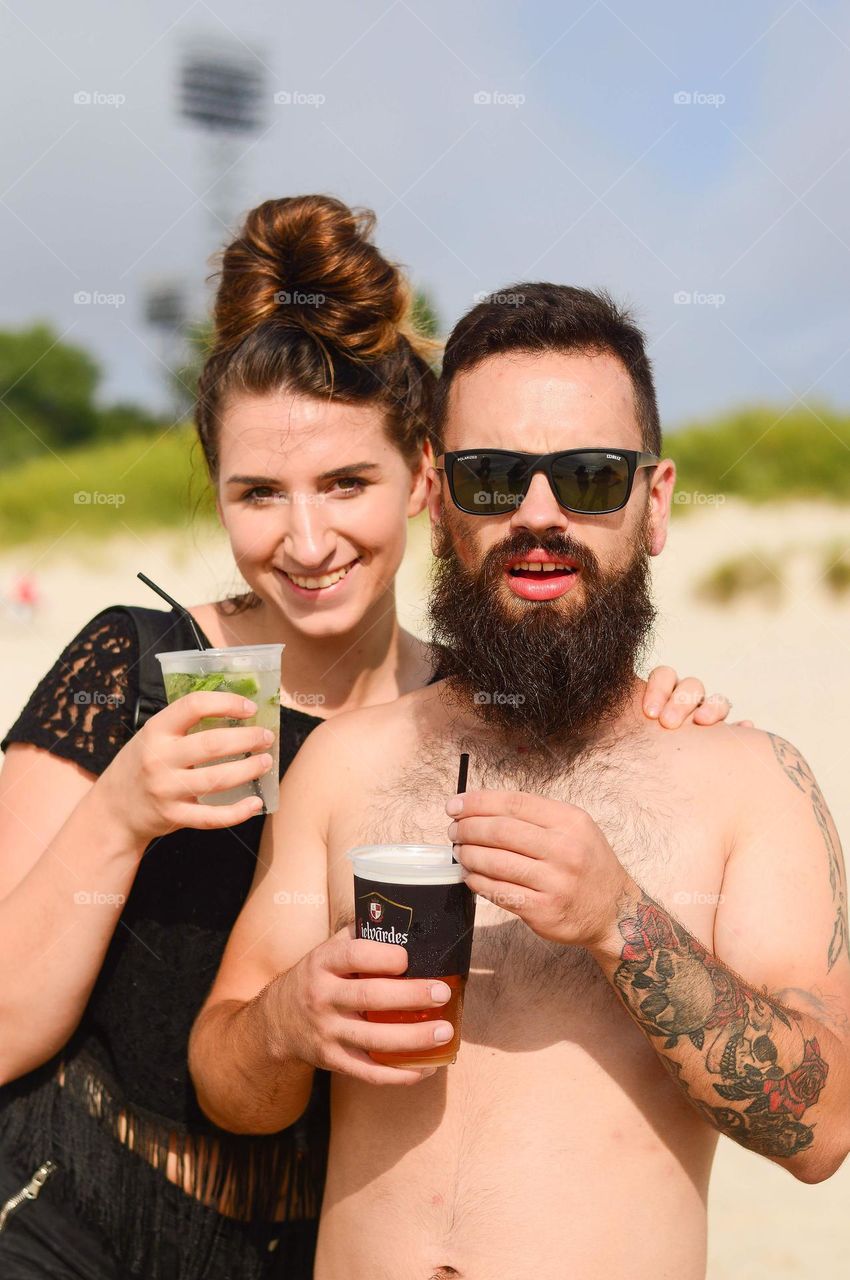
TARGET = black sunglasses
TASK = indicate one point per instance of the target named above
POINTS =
(487, 482)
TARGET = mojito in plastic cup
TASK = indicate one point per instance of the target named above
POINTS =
(250, 670)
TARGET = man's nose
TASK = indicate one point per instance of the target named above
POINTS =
(308, 539)
(539, 509)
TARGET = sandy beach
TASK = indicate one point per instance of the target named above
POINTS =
(784, 666)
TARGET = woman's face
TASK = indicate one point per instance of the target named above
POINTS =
(315, 499)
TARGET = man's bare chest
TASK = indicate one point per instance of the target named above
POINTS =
(650, 815)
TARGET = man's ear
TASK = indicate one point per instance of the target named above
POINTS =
(660, 500)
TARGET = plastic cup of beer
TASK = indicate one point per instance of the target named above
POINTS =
(250, 670)
(415, 895)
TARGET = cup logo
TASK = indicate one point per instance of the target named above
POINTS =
(376, 910)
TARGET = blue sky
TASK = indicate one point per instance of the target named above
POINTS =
(582, 167)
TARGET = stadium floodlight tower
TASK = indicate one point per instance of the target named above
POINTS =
(223, 95)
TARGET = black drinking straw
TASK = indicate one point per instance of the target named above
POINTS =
(255, 784)
(185, 612)
(462, 773)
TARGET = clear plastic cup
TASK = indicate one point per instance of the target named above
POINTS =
(250, 670)
(415, 895)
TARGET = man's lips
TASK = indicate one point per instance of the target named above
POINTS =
(540, 575)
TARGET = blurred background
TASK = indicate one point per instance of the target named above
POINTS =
(695, 163)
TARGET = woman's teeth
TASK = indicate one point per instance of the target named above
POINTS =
(326, 580)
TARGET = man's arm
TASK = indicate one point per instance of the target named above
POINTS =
(287, 997)
(246, 1077)
(763, 1057)
(755, 1031)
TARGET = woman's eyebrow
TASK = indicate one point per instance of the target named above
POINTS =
(350, 468)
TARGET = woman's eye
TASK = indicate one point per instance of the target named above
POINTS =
(350, 484)
(258, 494)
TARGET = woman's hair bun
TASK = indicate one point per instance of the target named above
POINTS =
(308, 262)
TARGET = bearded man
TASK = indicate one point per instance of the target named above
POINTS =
(660, 949)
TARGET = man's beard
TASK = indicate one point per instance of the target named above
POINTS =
(542, 668)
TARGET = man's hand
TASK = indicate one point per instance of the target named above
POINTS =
(544, 860)
(317, 1011)
(673, 702)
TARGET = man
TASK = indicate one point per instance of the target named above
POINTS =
(660, 951)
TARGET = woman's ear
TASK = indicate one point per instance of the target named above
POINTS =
(420, 480)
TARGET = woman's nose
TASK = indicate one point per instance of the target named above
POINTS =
(307, 539)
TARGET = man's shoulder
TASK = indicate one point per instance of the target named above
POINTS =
(748, 763)
(372, 730)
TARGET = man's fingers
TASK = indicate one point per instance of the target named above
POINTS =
(510, 897)
(359, 995)
(501, 833)
(501, 864)
(349, 955)
(538, 810)
(660, 684)
(412, 1038)
(358, 1064)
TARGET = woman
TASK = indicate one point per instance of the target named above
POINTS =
(117, 897)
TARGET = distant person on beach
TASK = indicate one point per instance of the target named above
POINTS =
(660, 953)
(118, 890)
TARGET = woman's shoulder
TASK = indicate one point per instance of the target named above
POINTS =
(79, 709)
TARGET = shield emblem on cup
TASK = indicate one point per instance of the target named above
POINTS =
(376, 910)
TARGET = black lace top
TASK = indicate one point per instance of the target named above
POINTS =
(125, 1081)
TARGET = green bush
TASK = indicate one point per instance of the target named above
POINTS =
(140, 482)
(764, 455)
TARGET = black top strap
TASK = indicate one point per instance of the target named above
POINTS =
(159, 632)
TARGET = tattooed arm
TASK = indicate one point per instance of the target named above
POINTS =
(766, 1061)
(764, 1057)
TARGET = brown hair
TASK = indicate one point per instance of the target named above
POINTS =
(306, 301)
(552, 317)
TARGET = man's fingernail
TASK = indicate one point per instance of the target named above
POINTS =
(443, 1033)
(652, 710)
(439, 992)
(428, 1071)
(452, 832)
(455, 805)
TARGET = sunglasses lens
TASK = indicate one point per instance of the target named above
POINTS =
(489, 484)
(591, 482)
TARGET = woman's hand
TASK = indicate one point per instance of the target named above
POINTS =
(154, 782)
(672, 701)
